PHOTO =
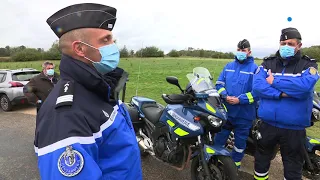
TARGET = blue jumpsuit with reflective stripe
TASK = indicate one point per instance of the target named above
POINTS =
(236, 80)
(81, 134)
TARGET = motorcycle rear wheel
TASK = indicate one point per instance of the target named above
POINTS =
(223, 169)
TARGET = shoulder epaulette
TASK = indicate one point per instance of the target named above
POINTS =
(65, 97)
(269, 58)
(308, 58)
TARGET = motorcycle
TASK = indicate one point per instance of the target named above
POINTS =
(311, 167)
(182, 130)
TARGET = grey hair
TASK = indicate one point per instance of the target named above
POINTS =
(298, 41)
(45, 64)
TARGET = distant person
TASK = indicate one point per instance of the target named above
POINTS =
(83, 131)
(39, 87)
(235, 86)
(285, 84)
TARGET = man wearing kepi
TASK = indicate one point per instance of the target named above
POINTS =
(285, 86)
(235, 86)
(82, 133)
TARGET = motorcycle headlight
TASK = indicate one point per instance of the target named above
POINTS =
(214, 121)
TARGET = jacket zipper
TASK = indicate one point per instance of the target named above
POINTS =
(283, 70)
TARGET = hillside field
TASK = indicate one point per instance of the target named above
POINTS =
(151, 82)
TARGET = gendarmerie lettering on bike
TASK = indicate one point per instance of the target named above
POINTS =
(183, 121)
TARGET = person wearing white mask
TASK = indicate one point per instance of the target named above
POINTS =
(40, 86)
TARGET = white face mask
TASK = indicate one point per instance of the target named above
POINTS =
(50, 72)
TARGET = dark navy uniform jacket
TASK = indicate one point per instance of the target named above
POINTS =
(80, 134)
(296, 78)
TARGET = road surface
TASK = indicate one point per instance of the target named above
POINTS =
(18, 162)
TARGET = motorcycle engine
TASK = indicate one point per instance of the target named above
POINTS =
(169, 151)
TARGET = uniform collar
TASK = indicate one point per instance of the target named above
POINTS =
(84, 75)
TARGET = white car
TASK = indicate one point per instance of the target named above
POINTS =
(11, 86)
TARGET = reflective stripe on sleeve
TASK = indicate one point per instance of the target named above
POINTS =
(250, 97)
(221, 90)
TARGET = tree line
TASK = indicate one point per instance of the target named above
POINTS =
(22, 53)
(153, 51)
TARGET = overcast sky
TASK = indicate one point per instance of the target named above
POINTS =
(209, 24)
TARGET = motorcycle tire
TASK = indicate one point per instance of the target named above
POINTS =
(229, 168)
(315, 160)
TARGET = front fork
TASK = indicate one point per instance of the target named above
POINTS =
(307, 160)
(202, 157)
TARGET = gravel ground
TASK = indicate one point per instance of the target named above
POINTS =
(18, 162)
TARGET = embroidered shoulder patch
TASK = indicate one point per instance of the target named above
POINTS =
(65, 95)
(70, 162)
(313, 71)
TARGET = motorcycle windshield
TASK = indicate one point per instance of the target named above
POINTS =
(200, 80)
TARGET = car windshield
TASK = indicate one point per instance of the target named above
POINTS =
(200, 79)
(24, 76)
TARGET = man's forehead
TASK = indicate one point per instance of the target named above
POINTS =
(289, 40)
(245, 49)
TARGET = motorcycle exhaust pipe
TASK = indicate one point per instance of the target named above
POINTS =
(145, 143)
(141, 143)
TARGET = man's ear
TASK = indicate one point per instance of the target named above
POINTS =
(78, 48)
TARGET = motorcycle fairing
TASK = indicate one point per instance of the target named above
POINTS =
(180, 121)
(211, 109)
(214, 150)
(311, 143)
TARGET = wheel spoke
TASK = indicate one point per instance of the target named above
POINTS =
(4, 103)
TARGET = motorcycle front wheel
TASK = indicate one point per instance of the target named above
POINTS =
(315, 160)
(221, 168)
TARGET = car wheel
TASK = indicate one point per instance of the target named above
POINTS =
(5, 103)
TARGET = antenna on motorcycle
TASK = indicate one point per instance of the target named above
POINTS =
(139, 69)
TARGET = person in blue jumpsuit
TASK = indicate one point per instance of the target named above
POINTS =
(82, 130)
(235, 86)
(285, 84)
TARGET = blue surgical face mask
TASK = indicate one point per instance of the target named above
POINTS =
(110, 57)
(241, 55)
(286, 51)
(50, 72)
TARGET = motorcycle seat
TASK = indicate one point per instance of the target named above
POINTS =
(152, 111)
(175, 98)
